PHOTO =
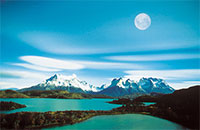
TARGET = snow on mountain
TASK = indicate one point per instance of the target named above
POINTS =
(103, 86)
(69, 83)
(124, 86)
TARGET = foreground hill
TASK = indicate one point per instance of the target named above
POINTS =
(185, 104)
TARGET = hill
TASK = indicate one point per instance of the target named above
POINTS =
(53, 94)
(12, 94)
(63, 94)
(185, 104)
(60, 94)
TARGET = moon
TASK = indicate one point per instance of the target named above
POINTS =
(142, 21)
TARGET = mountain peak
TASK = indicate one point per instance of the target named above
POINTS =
(59, 77)
(144, 85)
(58, 81)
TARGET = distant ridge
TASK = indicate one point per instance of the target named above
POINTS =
(9, 89)
(118, 87)
(122, 86)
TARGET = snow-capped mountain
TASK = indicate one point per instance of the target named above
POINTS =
(123, 86)
(61, 82)
(118, 86)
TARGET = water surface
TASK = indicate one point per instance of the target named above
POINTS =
(122, 122)
(148, 103)
(50, 104)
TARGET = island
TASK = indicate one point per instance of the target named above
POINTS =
(5, 106)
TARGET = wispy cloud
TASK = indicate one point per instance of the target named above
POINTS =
(157, 57)
(184, 84)
(5, 85)
(57, 43)
(45, 63)
(35, 67)
(176, 78)
(25, 79)
(8, 75)
(51, 64)
(25, 74)
(110, 65)
(184, 74)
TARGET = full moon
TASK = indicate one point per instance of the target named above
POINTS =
(142, 21)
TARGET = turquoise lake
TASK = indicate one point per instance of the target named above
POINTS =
(122, 122)
(50, 104)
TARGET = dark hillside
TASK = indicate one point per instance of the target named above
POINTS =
(185, 103)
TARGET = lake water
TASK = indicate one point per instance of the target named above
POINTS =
(148, 103)
(50, 104)
(122, 122)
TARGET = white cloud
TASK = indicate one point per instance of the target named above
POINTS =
(35, 67)
(57, 43)
(184, 74)
(184, 84)
(27, 79)
(178, 79)
(5, 85)
(110, 65)
(26, 74)
(51, 64)
(158, 57)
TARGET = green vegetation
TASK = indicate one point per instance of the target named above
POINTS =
(47, 94)
(12, 94)
(10, 106)
(32, 120)
(53, 94)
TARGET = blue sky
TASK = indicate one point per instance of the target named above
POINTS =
(98, 41)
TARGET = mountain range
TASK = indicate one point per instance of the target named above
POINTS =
(118, 87)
